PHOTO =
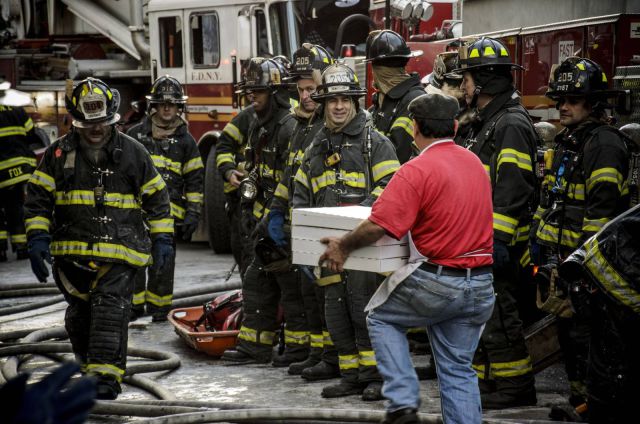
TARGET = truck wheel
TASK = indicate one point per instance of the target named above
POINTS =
(214, 202)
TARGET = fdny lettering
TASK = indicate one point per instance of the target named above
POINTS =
(205, 76)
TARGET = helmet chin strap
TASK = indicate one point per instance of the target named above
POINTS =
(474, 100)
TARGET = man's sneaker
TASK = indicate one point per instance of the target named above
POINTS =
(342, 389)
(402, 416)
(240, 357)
(107, 389)
(321, 371)
(373, 392)
(297, 367)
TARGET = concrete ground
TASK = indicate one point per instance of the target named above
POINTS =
(201, 377)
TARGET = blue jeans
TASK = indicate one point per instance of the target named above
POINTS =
(454, 310)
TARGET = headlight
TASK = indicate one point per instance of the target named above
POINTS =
(248, 189)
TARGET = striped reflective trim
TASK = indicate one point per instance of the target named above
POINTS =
(282, 192)
(480, 370)
(228, 187)
(16, 180)
(192, 165)
(16, 161)
(248, 334)
(177, 211)
(550, 233)
(15, 130)
(522, 233)
(302, 178)
(352, 179)
(121, 201)
(266, 337)
(594, 225)
(384, 168)
(504, 223)
(100, 250)
(233, 132)
(290, 158)
(329, 279)
(267, 172)
(259, 210)
(376, 192)
(326, 179)
(326, 339)
(18, 238)
(605, 175)
(161, 225)
(576, 191)
(539, 212)
(222, 158)
(521, 160)
(163, 162)
(315, 340)
(158, 300)
(404, 123)
(138, 298)
(348, 362)
(504, 369)
(367, 358)
(296, 337)
(525, 259)
(610, 279)
(153, 185)
(37, 223)
(28, 125)
(75, 197)
(106, 369)
(4, 235)
(44, 180)
(194, 197)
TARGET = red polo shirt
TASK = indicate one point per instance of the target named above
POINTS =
(443, 197)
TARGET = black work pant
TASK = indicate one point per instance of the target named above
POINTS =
(262, 292)
(98, 314)
(320, 342)
(346, 320)
(233, 215)
(154, 289)
(12, 201)
(246, 226)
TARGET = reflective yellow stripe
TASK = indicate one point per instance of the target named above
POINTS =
(222, 158)
(138, 298)
(352, 179)
(504, 223)
(316, 340)
(177, 211)
(266, 337)
(87, 197)
(610, 279)
(16, 161)
(163, 162)
(575, 191)
(233, 132)
(28, 125)
(594, 225)
(348, 362)
(301, 177)
(330, 279)
(282, 192)
(376, 192)
(4, 235)
(192, 165)
(121, 201)
(258, 210)
(367, 358)
(326, 339)
(18, 238)
(153, 185)
(525, 259)
(539, 212)
(9, 131)
(16, 180)
(479, 369)
(296, 337)
(602, 175)
(99, 250)
(106, 369)
(267, 172)
(521, 160)
(326, 179)
(505, 369)
(384, 168)
(161, 225)
(550, 233)
(248, 334)
(158, 300)
(228, 187)
(194, 197)
(404, 123)
(43, 180)
(37, 223)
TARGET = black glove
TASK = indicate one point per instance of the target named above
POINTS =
(45, 402)
(189, 225)
(500, 254)
(162, 251)
(39, 253)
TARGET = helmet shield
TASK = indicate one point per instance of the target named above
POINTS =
(167, 89)
(338, 80)
(93, 102)
(578, 77)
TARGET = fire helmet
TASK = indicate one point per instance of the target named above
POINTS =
(484, 53)
(93, 102)
(309, 58)
(578, 77)
(388, 48)
(443, 65)
(338, 80)
(263, 74)
(166, 89)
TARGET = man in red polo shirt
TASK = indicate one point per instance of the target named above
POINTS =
(442, 201)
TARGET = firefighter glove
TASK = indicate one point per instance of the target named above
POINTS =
(47, 402)
(500, 254)
(39, 253)
(276, 227)
(162, 251)
(189, 225)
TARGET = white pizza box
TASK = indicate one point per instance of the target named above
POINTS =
(353, 263)
(367, 252)
(315, 223)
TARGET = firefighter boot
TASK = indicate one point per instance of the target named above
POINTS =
(428, 372)
(402, 416)
(373, 392)
(107, 388)
(136, 312)
(241, 357)
(313, 359)
(288, 358)
(321, 371)
(343, 388)
(511, 392)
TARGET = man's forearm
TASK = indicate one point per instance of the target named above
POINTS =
(364, 234)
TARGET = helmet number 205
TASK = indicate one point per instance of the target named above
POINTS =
(565, 77)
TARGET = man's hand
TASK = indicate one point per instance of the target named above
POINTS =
(334, 256)
(189, 225)
(234, 177)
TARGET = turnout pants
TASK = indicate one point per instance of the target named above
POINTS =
(98, 314)
(320, 342)
(233, 215)
(154, 289)
(344, 306)
(12, 201)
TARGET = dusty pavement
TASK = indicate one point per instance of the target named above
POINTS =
(204, 378)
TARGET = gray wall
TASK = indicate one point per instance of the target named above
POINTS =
(482, 16)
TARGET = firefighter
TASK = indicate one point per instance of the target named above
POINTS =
(584, 188)
(270, 277)
(84, 207)
(306, 70)
(607, 266)
(165, 134)
(347, 163)
(503, 137)
(389, 54)
(17, 162)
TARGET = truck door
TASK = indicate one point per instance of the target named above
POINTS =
(168, 52)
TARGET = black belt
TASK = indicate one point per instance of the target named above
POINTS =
(454, 272)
